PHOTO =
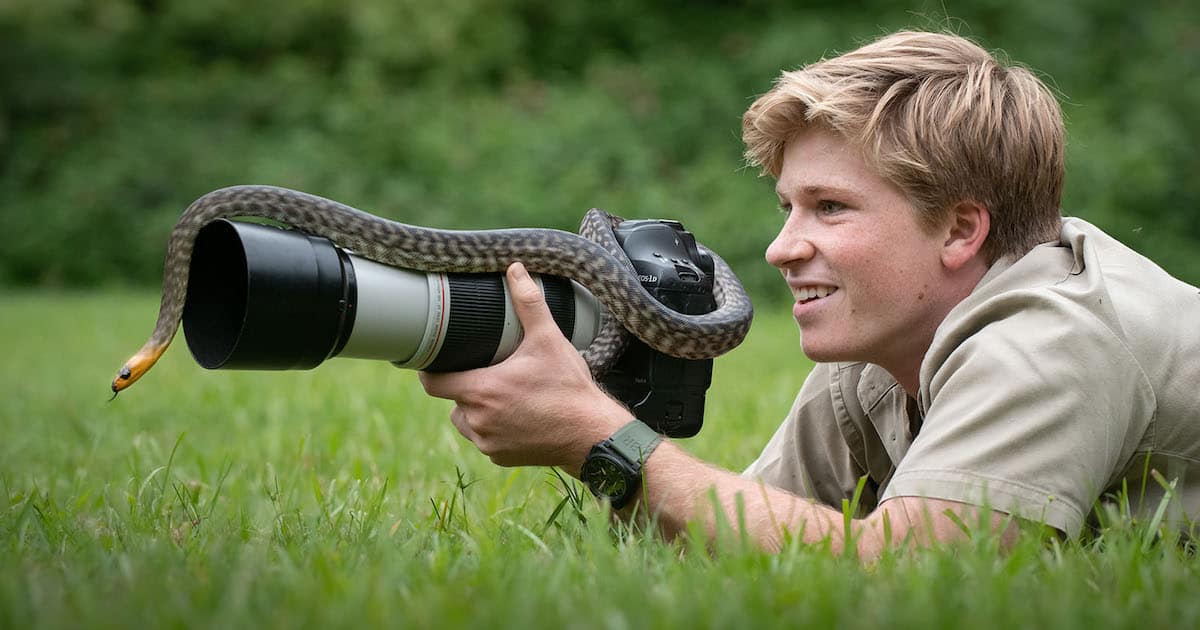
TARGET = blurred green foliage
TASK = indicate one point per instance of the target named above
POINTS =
(115, 114)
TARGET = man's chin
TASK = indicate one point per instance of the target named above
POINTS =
(820, 352)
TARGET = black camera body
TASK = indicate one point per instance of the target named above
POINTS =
(665, 392)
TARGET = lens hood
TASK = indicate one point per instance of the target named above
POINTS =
(266, 298)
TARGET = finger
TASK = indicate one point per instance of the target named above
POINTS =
(448, 385)
(528, 302)
(458, 417)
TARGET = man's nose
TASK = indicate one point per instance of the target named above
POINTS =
(790, 245)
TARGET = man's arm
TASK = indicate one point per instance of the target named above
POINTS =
(540, 407)
(680, 489)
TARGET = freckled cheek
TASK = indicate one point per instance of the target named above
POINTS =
(873, 277)
(878, 295)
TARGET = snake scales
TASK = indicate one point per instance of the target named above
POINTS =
(592, 259)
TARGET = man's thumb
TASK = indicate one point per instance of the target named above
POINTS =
(527, 299)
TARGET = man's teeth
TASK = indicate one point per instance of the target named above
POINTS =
(808, 293)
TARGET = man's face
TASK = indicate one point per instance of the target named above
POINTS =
(867, 279)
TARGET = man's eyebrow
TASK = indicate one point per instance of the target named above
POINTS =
(815, 190)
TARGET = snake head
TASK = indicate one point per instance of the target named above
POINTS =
(136, 366)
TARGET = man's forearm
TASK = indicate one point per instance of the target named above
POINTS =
(679, 489)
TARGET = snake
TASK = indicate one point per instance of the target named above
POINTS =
(593, 258)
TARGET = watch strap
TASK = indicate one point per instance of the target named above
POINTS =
(635, 442)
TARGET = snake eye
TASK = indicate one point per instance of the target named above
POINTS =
(126, 373)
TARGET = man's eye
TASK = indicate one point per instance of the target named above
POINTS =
(826, 206)
(785, 209)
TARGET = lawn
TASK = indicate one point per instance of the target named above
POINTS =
(343, 497)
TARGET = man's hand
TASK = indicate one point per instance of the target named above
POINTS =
(538, 407)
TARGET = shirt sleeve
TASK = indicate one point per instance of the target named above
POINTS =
(1033, 406)
(808, 455)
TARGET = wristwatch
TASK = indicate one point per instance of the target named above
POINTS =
(613, 468)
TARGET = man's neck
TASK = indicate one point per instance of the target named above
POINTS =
(907, 370)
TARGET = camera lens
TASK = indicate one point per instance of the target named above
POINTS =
(261, 297)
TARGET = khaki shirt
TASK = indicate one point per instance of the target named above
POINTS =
(1065, 374)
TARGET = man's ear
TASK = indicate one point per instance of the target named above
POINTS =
(967, 230)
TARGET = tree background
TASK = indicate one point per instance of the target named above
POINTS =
(115, 114)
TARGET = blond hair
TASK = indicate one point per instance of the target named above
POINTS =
(939, 117)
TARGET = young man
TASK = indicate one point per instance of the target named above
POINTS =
(978, 355)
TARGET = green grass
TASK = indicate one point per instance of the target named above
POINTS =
(343, 497)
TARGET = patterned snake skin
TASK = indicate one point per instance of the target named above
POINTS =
(593, 259)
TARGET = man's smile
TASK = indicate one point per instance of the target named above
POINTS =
(812, 292)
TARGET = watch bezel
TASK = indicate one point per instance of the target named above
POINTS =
(601, 454)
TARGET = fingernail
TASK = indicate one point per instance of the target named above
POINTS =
(518, 271)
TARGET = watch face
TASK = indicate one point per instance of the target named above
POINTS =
(605, 477)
